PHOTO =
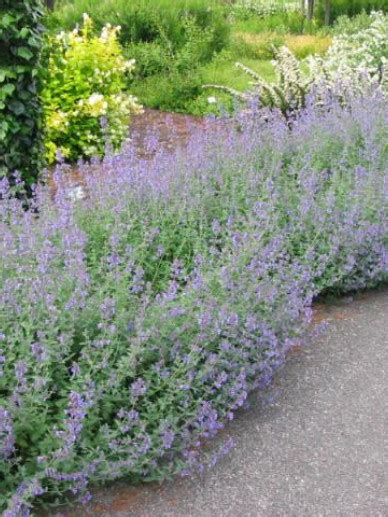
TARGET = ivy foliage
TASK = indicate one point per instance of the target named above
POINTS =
(20, 111)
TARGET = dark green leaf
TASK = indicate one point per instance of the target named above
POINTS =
(25, 53)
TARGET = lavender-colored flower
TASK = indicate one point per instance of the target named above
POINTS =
(21, 369)
(216, 227)
(221, 379)
(7, 439)
(114, 260)
(205, 320)
(138, 388)
(167, 438)
(39, 352)
(176, 311)
(75, 369)
(85, 498)
(224, 450)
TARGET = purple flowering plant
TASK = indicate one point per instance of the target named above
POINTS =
(136, 321)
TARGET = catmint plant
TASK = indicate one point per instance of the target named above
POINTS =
(135, 321)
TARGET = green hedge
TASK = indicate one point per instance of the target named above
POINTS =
(351, 7)
(20, 111)
(145, 20)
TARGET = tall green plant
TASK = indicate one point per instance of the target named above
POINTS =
(349, 7)
(20, 110)
(141, 20)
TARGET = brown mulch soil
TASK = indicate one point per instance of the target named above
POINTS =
(169, 130)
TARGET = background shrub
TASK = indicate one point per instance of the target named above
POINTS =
(351, 25)
(171, 91)
(282, 22)
(351, 7)
(143, 21)
(151, 58)
(355, 58)
(85, 83)
(258, 46)
(20, 110)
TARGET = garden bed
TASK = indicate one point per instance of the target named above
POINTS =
(135, 322)
(145, 294)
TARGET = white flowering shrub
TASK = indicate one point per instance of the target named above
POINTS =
(355, 60)
(353, 63)
(289, 91)
(84, 97)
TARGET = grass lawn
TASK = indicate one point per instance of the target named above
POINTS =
(225, 72)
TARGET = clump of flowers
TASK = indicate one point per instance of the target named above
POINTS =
(135, 322)
(85, 85)
(354, 59)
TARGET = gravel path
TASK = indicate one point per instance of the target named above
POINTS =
(320, 450)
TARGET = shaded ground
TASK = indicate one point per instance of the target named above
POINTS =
(320, 450)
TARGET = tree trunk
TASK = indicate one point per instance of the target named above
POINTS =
(50, 4)
(303, 6)
(310, 9)
(327, 12)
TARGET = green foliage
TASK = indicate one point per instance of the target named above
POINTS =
(143, 21)
(85, 82)
(20, 110)
(351, 7)
(161, 55)
(166, 77)
(151, 58)
(351, 25)
(257, 46)
(169, 92)
(283, 22)
(183, 92)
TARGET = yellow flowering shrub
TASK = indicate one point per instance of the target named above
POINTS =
(84, 97)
